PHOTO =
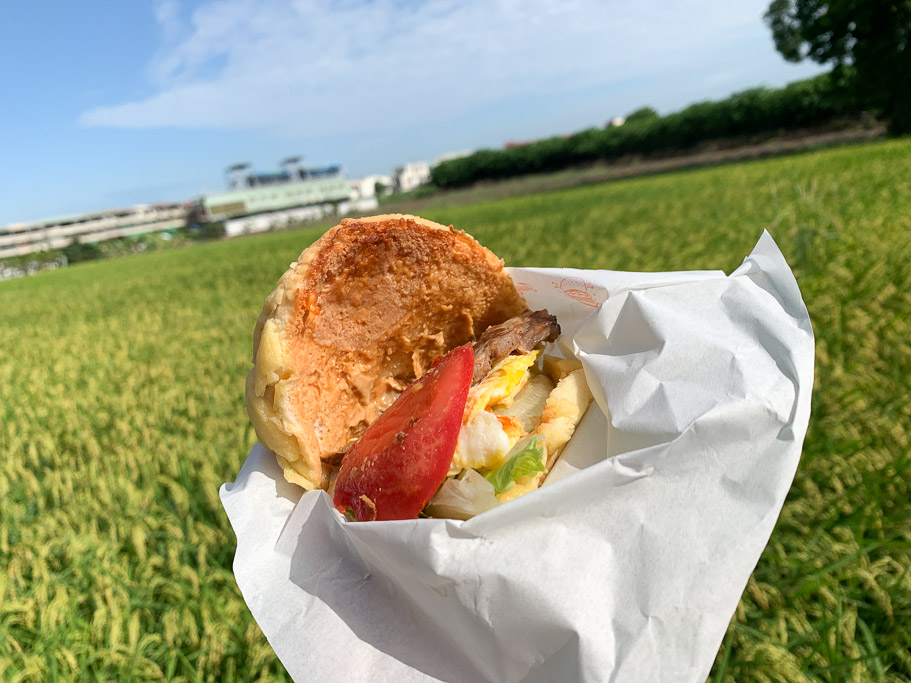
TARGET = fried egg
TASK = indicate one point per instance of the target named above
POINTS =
(485, 438)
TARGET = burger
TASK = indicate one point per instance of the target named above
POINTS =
(397, 367)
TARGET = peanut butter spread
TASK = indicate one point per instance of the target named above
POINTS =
(363, 312)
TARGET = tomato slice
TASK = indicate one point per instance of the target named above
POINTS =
(401, 459)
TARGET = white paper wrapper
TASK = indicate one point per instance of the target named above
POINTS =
(628, 570)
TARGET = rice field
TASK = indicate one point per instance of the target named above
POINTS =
(121, 397)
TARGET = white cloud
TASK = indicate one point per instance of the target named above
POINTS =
(166, 15)
(317, 67)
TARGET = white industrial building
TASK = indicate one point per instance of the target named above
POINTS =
(275, 220)
(55, 233)
(412, 175)
(366, 187)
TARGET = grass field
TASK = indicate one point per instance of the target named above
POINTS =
(121, 387)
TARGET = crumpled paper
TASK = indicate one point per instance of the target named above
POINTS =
(628, 563)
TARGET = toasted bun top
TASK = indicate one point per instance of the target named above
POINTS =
(362, 313)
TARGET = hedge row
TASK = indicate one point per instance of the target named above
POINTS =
(811, 102)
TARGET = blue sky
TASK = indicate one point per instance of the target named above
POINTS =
(114, 103)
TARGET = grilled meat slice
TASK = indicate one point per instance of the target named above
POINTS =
(521, 333)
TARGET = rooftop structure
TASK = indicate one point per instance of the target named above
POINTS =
(242, 175)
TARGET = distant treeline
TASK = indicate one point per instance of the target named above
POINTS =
(812, 102)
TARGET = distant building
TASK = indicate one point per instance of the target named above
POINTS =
(253, 202)
(366, 187)
(55, 233)
(257, 202)
(412, 175)
(272, 220)
(252, 193)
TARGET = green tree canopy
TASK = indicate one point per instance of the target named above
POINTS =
(642, 114)
(873, 36)
(77, 251)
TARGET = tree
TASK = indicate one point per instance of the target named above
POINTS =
(873, 37)
(77, 251)
(642, 115)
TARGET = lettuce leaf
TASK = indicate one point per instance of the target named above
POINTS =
(527, 460)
